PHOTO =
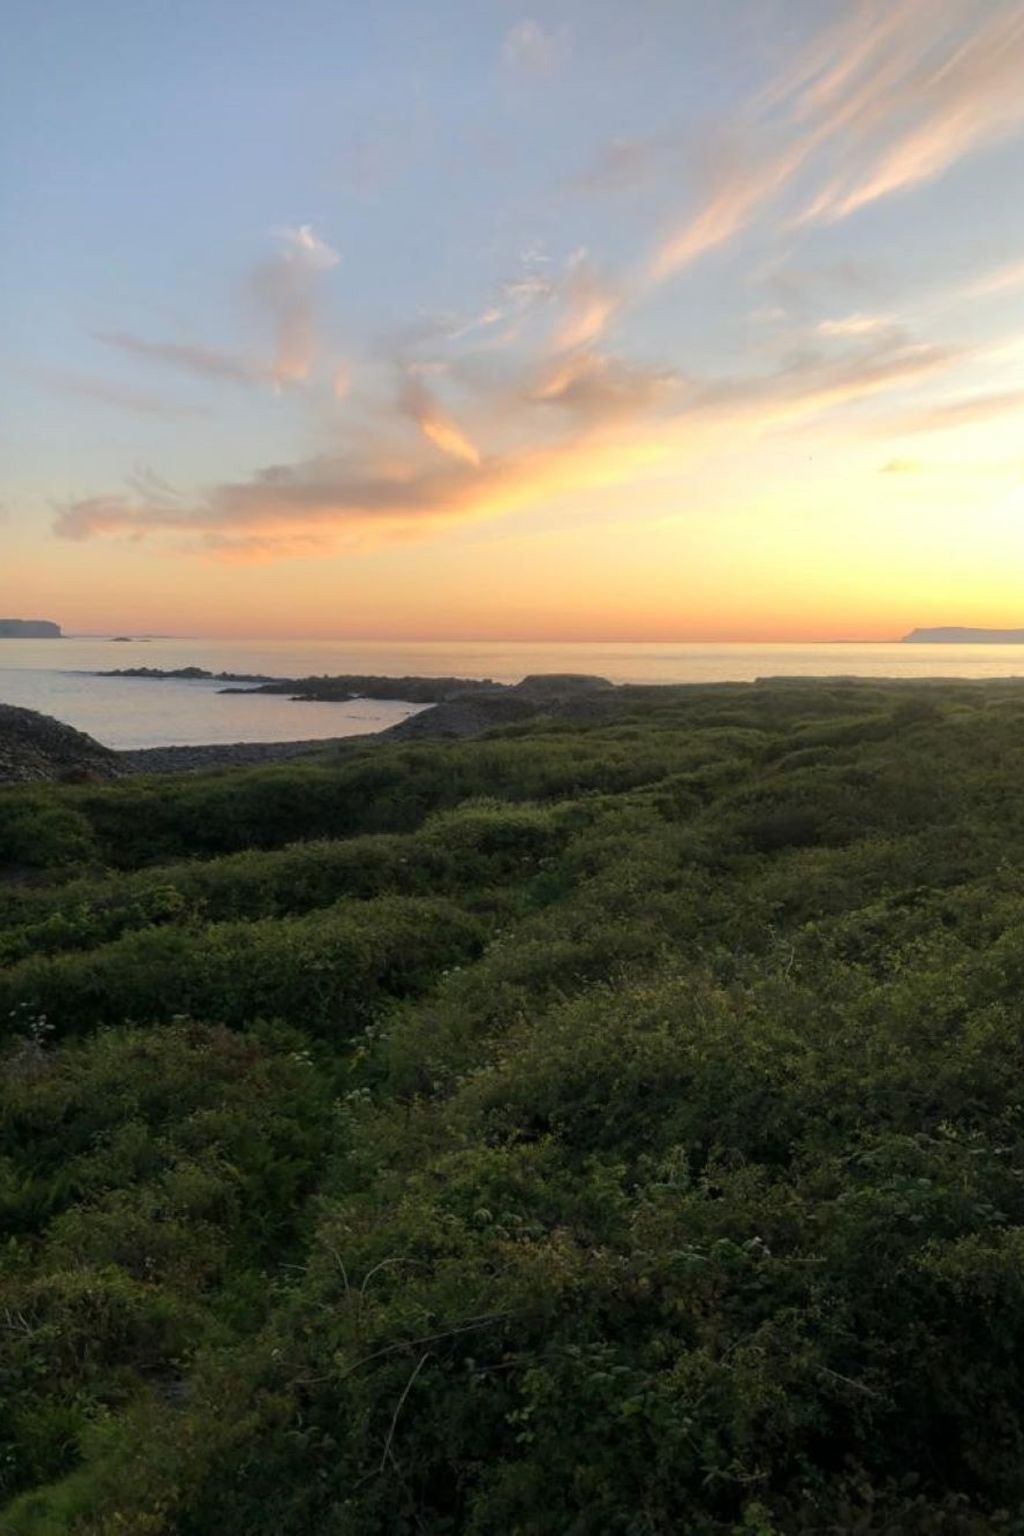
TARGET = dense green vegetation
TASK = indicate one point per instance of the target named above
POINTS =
(598, 1128)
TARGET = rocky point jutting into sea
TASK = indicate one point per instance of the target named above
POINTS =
(34, 746)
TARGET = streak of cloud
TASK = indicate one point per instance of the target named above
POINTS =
(855, 325)
(285, 510)
(594, 385)
(889, 97)
(970, 411)
(923, 108)
(532, 48)
(122, 399)
(286, 286)
(1004, 279)
(811, 384)
(197, 361)
(738, 192)
(492, 315)
(860, 95)
(620, 166)
(903, 92)
(145, 482)
(436, 425)
(528, 289)
(318, 503)
(589, 305)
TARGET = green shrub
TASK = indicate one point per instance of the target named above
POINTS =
(324, 972)
(637, 1148)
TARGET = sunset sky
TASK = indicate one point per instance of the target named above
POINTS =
(584, 319)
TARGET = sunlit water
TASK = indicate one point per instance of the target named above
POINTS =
(53, 676)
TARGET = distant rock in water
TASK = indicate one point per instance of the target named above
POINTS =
(542, 687)
(35, 747)
(183, 674)
(328, 690)
(29, 629)
(954, 635)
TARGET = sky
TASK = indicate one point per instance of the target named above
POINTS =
(512, 319)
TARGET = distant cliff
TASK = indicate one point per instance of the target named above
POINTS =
(29, 629)
(957, 636)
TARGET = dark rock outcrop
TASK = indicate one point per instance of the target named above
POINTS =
(561, 685)
(467, 714)
(35, 748)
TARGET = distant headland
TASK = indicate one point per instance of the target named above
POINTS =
(29, 629)
(955, 635)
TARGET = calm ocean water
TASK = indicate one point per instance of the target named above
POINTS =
(53, 676)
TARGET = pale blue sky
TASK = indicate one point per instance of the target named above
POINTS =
(425, 199)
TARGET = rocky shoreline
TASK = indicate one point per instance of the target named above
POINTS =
(240, 754)
(36, 747)
(324, 689)
(456, 716)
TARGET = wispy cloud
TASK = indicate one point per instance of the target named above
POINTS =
(497, 321)
(436, 425)
(104, 393)
(902, 467)
(542, 407)
(739, 189)
(612, 434)
(286, 286)
(619, 166)
(929, 87)
(812, 383)
(287, 510)
(197, 361)
(492, 315)
(889, 97)
(526, 290)
(1004, 279)
(969, 411)
(533, 48)
(594, 385)
(590, 303)
(855, 325)
(145, 482)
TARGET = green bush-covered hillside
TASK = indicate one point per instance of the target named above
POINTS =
(598, 1129)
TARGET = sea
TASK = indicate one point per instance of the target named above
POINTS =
(59, 677)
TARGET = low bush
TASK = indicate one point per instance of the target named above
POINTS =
(325, 972)
(600, 1127)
